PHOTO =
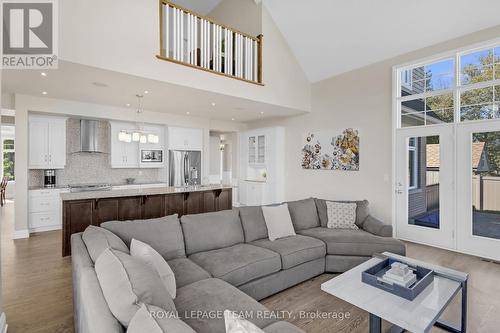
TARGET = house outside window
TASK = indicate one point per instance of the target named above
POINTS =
(8, 158)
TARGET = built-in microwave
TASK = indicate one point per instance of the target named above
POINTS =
(151, 156)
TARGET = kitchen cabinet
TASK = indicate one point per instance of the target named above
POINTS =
(256, 149)
(180, 138)
(44, 210)
(47, 142)
(79, 214)
(153, 206)
(123, 154)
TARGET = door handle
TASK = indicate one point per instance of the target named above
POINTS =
(399, 192)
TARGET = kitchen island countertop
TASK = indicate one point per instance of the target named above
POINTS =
(143, 190)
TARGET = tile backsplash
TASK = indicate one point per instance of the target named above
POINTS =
(84, 168)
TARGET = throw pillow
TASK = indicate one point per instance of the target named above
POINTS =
(341, 215)
(126, 282)
(152, 319)
(236, 324)
(278, 221)
(149, 255)
(99, 239)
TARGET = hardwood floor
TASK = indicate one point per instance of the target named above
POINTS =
(37, 294)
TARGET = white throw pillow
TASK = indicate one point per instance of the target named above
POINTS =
(278, 221)
(150, 256)
(341, 215)
(236, 324)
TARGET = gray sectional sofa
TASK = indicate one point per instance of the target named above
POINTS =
(224, 260)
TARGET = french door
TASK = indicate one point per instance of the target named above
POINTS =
(424, 185)
(478, 189)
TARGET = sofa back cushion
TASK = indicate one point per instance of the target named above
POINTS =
(254, 225)
(126, 282)
(163, 234)
(304, 214)
(210, 231)
(98, 239)
(362, 211)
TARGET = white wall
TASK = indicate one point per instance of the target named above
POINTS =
(360, 99)
(123, 36)
(25, 104)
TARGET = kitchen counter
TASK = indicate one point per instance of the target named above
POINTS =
(138, 191)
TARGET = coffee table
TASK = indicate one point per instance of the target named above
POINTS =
(417, 316)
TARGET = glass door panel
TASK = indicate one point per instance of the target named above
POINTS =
(423, 179)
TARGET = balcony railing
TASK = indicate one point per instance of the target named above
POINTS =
(193, 40)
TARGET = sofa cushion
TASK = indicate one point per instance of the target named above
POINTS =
(186, 271)
(304, 214)
(237, 324)
(152, 319)
(238, 264)
(282, 327)
(294, 250)
(163, 234)
(354, 242)
(98, 239)
(215, 295)
(362, 211)
(126, 282)
(254, 225)
(151, 257)
(210, 231)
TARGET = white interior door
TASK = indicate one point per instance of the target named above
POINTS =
(478, 188)
(424, 185)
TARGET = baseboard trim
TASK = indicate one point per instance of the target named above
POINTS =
(3, 323)
(46, 228)
(19, 234)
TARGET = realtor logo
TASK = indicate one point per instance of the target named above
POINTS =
(29, 34)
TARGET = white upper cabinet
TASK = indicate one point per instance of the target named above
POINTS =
(47, 142)
(181, 138)
(128, 154)
(123, 154)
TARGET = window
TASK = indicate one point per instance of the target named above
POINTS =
(413, 164)
(430, 98)
(8, 158)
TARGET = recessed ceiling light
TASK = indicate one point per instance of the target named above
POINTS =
(188, 113)
(99, 84)
(43, 74)
(128, 104)
(261, 112)
(233, 119)
(44, 93)
(146, 92)
(213, 103)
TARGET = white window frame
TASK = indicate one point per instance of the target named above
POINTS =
(408, 79)
(457, 88)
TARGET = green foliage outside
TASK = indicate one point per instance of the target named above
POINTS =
(8, 158)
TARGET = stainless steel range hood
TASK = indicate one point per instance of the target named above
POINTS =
(91, 136)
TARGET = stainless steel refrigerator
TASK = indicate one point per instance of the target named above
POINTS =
(184, 167)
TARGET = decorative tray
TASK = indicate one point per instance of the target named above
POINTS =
(419, 278)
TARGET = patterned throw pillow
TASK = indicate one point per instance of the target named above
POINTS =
(236, 324)
(341, 215)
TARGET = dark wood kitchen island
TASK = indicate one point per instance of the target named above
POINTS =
(82, 209)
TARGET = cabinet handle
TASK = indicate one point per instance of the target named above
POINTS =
(96, 203)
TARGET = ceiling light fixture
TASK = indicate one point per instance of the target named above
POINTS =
(188, 113)
(233, 119)
(127, 105)
(138, 135)
(146, 92)
(43, 74)
(261, 112)
(44, 93)
(213, 104)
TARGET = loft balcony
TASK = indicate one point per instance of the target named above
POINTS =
(196, 41)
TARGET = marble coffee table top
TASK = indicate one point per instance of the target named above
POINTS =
(417, 316)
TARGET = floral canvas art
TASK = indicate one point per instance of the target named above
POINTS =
(331, 151)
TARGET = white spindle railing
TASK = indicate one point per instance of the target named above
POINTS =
(196, 41)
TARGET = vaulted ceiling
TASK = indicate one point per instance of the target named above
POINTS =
(330, 37)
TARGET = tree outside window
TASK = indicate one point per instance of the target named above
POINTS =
(8, 158)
